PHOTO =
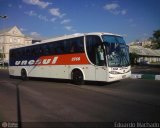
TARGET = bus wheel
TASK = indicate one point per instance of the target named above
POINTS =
(77, 77)
(23, 74)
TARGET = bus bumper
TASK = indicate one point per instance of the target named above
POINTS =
(116, 77)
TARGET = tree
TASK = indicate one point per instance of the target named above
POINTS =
(1, 56)
(156, 39)
(133, 58)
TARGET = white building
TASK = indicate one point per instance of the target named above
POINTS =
(144, 43)
(145, 54)
(12, 38)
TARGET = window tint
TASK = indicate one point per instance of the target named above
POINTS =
(60, 47)
(74, 45)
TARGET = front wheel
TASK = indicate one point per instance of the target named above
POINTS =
(77, 77)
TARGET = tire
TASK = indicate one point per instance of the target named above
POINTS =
(77, 77)
(24, 74)
(10, 76)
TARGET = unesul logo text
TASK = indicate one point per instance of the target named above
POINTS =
(37, 62)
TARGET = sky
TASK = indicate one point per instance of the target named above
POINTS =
(133, 19)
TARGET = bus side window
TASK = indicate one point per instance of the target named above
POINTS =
(72, 47)
(18, 54)
(12, 54)
(80, 45)
(24, 53)
(40, 50)
(47, 49)
(61, 47)
(44, 49)
(51, 50)
(33, 53)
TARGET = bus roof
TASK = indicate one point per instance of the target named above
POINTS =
(68, 37)
(76, 35)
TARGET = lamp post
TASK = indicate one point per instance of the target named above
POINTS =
(3, 17)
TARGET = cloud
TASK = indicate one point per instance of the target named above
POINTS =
(68, 28)
(123, 12)
(53, 19)
(43, 17)
(39, 3)
(65, 21)
(39, 16)
(23, 29)
(56, 12)
(111, 6)
(115, 9)
(34, 34)
(31, 13)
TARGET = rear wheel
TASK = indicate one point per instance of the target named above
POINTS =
(24, 74)
(77, 77)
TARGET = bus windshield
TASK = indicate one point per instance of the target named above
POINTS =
(117, 51)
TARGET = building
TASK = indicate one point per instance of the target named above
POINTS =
(147, 43)
(145, 55)
(12, 38)
(144, 43)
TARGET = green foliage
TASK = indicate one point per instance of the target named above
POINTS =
(156, 39)
(2, 55)
(133, 58)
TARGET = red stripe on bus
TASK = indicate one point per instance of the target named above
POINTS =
(67, 59)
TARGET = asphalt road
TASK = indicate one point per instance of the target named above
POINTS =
(152, 70)
(53, 101)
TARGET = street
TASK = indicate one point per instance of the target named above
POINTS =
(61, 101)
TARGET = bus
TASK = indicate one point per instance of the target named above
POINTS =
(80, 57)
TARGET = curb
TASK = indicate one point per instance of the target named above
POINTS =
(145, 76)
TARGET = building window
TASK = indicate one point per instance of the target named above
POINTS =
(19, 40)
(15, 40)
(10, 40)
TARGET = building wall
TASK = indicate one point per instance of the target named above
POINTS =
(13, 38)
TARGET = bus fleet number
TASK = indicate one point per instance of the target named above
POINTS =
(76, 59)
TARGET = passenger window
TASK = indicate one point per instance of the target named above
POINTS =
(76, 45)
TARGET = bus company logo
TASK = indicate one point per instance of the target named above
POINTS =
(41, 61)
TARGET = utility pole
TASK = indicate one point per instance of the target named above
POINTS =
(3, 55)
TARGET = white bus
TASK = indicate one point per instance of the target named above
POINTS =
(79, 57)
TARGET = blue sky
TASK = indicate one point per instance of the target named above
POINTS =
(134, 19)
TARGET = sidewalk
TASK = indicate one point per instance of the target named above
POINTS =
(145, 72)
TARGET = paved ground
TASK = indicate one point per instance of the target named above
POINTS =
(43, 101)
(146, 70)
